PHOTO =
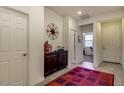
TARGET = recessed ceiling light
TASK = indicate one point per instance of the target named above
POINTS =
(84, 34)
(79, 12)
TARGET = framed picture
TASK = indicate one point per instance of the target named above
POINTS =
(79, 39)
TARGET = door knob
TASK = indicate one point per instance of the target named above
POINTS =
(24, 54)
(104, 48)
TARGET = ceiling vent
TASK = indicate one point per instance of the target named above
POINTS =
(85, 16)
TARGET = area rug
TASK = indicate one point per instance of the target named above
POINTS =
(83, 77)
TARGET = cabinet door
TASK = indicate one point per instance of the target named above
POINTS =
(48, 66)
(60, 61)
(50, 63)
(65, 58)
(54, 62)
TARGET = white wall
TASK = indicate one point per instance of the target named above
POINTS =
(123, 42)
(52, 17)
(97, 44)
(36, 43)
(87, 28)
(72, 24)
(66, 32)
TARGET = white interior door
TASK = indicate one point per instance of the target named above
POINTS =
(76, 48)
(13, 47)
(111, 41)
(72, 43)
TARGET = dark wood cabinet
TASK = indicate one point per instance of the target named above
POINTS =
(55, 61)
(62, 59)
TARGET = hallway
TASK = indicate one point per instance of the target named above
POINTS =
(88, 58)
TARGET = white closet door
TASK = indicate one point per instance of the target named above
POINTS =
(72, 46)
(13, 46)
(111, 41)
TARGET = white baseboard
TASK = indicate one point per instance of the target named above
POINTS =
(35, 82)
(123, 66)
(96, 64)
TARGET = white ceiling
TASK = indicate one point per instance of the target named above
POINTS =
(91, 10)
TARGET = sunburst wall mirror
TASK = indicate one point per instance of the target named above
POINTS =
(52, 31)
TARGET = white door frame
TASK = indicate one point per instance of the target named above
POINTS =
(74, 31)
(118, 55)
(83, 41)
(123, 42)
(97, 44)
(27, 15)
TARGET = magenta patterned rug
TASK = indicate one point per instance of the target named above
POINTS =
(83, 77)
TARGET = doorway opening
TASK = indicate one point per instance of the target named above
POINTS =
(88, 47)
(87, 43)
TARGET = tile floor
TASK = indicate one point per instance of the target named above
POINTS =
(88, 58)
(112, 68)
(115, 69)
